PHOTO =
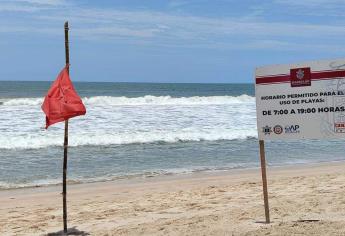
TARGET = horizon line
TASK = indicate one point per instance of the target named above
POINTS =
(149, 82)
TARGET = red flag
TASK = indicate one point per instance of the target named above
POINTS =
(62, 101)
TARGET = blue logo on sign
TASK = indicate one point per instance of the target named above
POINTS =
(291, 129)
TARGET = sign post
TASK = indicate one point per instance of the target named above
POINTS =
(299, 101)
(264, 179)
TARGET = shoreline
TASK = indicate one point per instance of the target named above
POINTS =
(182, 175)
(303, 199)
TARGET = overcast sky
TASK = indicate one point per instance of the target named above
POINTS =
(203, 41)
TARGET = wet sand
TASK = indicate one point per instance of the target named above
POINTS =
(304, 200)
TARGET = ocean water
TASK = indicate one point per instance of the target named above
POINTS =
(140, 130)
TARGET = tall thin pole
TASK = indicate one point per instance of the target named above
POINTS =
(65, 145)
(264, 179)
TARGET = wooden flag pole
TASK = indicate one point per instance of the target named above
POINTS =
(65, 145)
(264, 179)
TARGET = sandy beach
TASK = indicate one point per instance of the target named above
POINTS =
(304, 200)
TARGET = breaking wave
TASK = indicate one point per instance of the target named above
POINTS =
(145, 100)
(123, 120)
(43, 141)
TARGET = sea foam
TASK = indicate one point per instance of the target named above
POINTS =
(124, 120)
(145, 100)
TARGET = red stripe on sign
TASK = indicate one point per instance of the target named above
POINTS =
(319, 75)
(327, 74)
(273, 79)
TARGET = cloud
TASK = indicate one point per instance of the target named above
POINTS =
(110, 32)
(42, 2)
(18, 8)
(310, 3)
(173, 30)
(177, 3)
(282, 45)
(190, 27)
(309, 10)
(30, 6)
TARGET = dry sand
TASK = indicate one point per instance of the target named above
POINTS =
(304, 200)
